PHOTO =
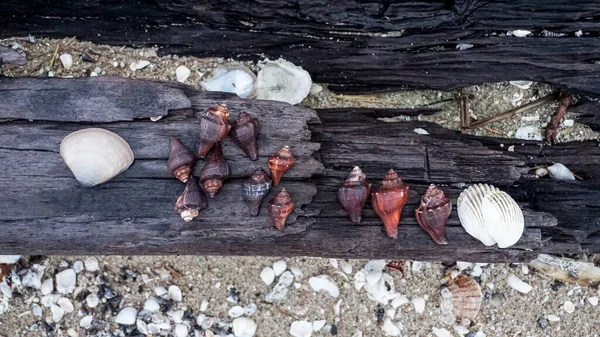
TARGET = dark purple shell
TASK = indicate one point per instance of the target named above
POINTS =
(354, 193)
(244, 133)
(215, 171)
(433, 212)
(181, 160)
(214, 126)
(191, 201)
(255, 189)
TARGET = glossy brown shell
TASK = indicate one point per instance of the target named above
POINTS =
(354, 193)
(244, 133)
(214, 126)
(279, 163)
(191, 201)
(280, 208)
(433, 212)
(466, 297)
(255, 189)
(215, 171)
(181, 160)
(388, 201)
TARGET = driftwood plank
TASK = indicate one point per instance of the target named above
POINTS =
(10, 56)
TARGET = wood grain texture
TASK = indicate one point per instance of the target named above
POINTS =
(43, 210)
(10, 56)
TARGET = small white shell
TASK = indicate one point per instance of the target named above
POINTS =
(182, 73)
(301, 329)
(559, 171)
(520, 33)
(390, 328)
(324, 283)
(490, 215)
(267, 275)
(66, 60)
(541, 172)
(243, 326)
(282, 81)
(521, 84)
(419, 304)
(514, 282)
(95, 155)
(569, 307)
(236, 79)
(279, 267)
(236, 311)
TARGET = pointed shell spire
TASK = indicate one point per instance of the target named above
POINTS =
(354, 193)
(214, 126)
(191, 201)
(215, 171)
(279, 163)
(255, 189)
(244, 134)
(181, 160)
(433, 212)
(280, 208)
(388, 201)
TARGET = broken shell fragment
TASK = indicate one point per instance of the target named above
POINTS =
(466, 297)
(280, 208)
(255, 189)
(244, 133)
(181, 160)
(490, 215)
(214, 126)
(388, 201)
(279, 163)
(354, 193)
(282, 81)
(236, 79)
(192, 201)
(95, 155)
(215, 171)
(433, 213)
(514, 282)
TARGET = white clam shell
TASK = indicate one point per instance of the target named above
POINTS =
(236, 79)
(559, 171)
(282, 81)
(95, 155)
(490, 215)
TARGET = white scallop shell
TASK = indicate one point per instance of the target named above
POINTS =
(236, 79)
(282, 81)
(95, 155)
(490, 215)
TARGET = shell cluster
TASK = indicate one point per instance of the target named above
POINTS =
(215, 126)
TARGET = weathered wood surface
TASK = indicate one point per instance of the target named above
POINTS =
(10, 56)
(43, 210)
(357, 46)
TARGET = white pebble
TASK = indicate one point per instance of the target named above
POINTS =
(419, 304)
(243, 327)
(553, 318)
(569, 307)
(267, 275)
(86, 322)
(334, 263)
(346, 267)
(593, 300)
(324, 283)
(514, 282)
(92, 300)
(91, 264)
(204, 305)
(57, 312)
(297, 285)
(175, 293)
(579, 33)
(65, 304)
(390, 328)
(36, 309)
(115, 64)
(139, 65)
(525, 269)
(279, 267)
(78, 266)
(568, 122)
(301, 329)
(441, 332)
(126, 316)
(236, 311)
(298, 274)
(93, 74)
(250, 309)
(66, 281)
(200, 319)
(280, 290)
(66, 60)
(318, 325)
(182, 73)
(47, 287)
(181, 330)
(417, 266)
(151, 305)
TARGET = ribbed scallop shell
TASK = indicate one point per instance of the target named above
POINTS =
(95, 155)
(466, 297)
(490, 215)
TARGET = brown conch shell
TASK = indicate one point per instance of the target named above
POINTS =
(244, 133)
(388, 201)
(354, 193)
(215, 171)
(255, 189)
(279, 163)
(214, 126)
(465, 296)
(280, 208)
(181, 160)
(433, 213)
(191, 201)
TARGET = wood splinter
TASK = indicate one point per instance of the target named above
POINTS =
(510, 113)
(564, 100)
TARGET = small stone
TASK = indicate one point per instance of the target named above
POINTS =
(542, 322)
(579, 33)
(511, 148)
(182, 73)
(204, 304)
(568, 122)
(315, 89)
(86, 322)
(497, 299)
(525, 269)
(78, 266)
(151, 305)
(126, 316)
(98, 70)
(181, 330)
(175, 293)
(47, 287)
(297, 285)
(267, 275)
(93, 74)
(66, 60)
(421, 131)
(279, 267)
(593, 300)
(236, 311)
(569, 307)
(66, 281)
(65, 304)
(36, 309)
(115, 64)
(298, 274)
(419, 304)
(91, 264)
(92, 300)
(280, 290)
(301, 329)
(553, 318)
(250, 309)
(57, 312)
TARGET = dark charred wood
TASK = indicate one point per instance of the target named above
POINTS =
(588, 112)
(10, 56)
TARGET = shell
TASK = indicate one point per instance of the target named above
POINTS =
(466, 297)
(282, 81)
(388, 201)
(215, 171)
(255, 189)
(191, 201)
(95, 155)
(354, 193)
(433, 212)
(244, 133)
(490, 215)
(181, 160)
(280, 208)
(279, 163)
(559, 171)
(236, 79)
(214, 126)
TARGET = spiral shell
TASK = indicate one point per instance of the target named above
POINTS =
(490, 215)
(279, 163)
(433, 213)
(354, 193)
(280, 207)
(95, 155)
(244, 133)
(465, 297)
(388, 201)
(214, 126)
(215, 171)
(191, 201)
(255, 189)
(181, 160)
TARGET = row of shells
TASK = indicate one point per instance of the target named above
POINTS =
(486, 213)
